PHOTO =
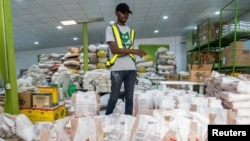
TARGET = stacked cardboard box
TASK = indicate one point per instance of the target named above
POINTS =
(208, 32)
(37, 106)
(198, 73)
(241, 54)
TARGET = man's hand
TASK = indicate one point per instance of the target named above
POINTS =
(139, 52)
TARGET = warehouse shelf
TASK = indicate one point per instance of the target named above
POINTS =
(224, 40)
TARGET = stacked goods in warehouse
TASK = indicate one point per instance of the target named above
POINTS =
(241, 26)
(71, 59)
(102, 55)
(99, 79)
(234, 94)
(98, 56)
(92, 56)
(165, 62)
(161, 114)
(49, 63)
(31, 79)
(145, 64)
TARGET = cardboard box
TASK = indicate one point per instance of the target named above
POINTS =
(42, 114)
(42, 100)
(25, 99)
(172, 77)
(31, 114)
(62, 111)
(54, 92)
(48, 114)
(198, 73)
(184, 77)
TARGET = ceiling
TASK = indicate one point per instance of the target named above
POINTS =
(36, 20)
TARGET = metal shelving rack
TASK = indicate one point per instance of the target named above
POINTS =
(232, 37)
(224, 40)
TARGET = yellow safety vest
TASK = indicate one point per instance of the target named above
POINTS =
(118, 39)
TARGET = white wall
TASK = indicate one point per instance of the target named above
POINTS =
(25, 59)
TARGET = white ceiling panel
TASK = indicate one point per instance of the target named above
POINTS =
(37, 19)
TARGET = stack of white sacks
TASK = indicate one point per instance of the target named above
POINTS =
(165, 62)
(145, 64)
(49, 62)
(98, 56)
(71, 59)
(101, 77)
(31, 79)
(234, 93)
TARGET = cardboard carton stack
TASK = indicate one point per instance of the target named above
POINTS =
(241, 54)
(42, 105)
(198, 73)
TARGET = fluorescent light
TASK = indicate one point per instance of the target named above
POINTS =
(112, 22)
(70, 22)
(75, 38)
(59, 27)
(217, 13)
(36, 43)
(156, 31)
(165, 17)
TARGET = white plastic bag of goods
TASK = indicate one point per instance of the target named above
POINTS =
(148, 128)
(237, 104)
(104, 99)
(24, 128)
(42, 130)
(87, 129)
(86, 103)
(244, 87)
(178, 121)
(6, 126)
(108, 122)
(242, 120)
(143, 103)
(122, 130)
(230, 96)
(242, 112)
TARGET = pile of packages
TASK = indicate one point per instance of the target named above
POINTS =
(157, 115)
(165, 61)
(234, 93)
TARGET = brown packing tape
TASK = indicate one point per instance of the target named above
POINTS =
(193, 131)
(211, 117)
(99, 130)
(193, 107)
(136, 106)
(231, 116)
(134, 128)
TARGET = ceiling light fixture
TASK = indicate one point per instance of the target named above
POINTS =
(59, 27)
(36, 43)
(217, 13)
(156, 31)
(112, 22)
(70, 22)
(75, 38)
(165, 17)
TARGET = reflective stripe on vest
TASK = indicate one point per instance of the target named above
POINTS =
(118, 39)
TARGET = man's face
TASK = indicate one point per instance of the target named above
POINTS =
(122, 17)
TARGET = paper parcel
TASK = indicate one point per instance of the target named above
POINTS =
(198, 73)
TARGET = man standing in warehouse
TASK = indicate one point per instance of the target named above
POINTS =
(120, 39)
